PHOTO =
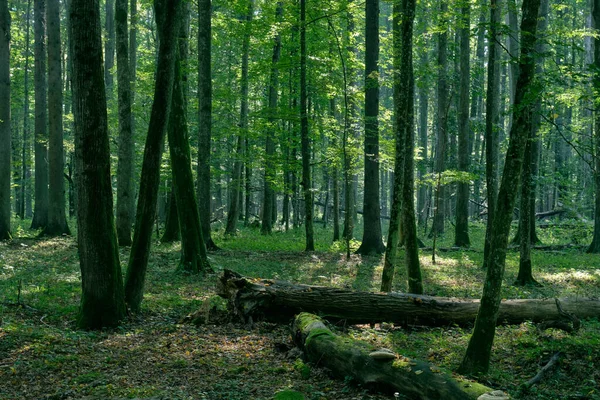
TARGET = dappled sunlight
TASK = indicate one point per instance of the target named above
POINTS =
(572, 279)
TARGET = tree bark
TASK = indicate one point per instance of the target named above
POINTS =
(40, 211)
(279, 301)
(372, 242)
(5, 135)
(304, 139)
(171, 232)
(461, 232)
(102, 301)
(204, 119)
(57, 219)
(478, 353)
(346, 357)
(109, 46)
(595, 245)
(25, 199)
(168, 16)
(125, 187)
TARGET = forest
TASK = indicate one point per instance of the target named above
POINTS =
(299, 199)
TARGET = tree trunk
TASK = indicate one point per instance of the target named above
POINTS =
(372, 238)
(168, 16)
(25, 171)
(422, 198)
(57, 219)
(5, 135)
(349, 358)
(102, 301)
(125, 187)
(269, 194)
(305, 149)
(279, 301)
(595, 245)
(109, 46)
(193, 251)
(478, 353)
(461, 235)
(492, 120)
(204, 118)
(171, 232)
(40, 211)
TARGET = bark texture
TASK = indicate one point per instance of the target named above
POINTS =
(5, 149)
(595, 245)
(102, 301)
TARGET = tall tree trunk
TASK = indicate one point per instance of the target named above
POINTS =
(193, 251)
(492, 122)
(372, 241)
(306, 179)
(461, 235)
(269, 194)
(168, 15)
(102, 301)
(57, 219)
(477, 357)
(595, 245)
(125, 188)
(5, 135)
(109, 45)
(441, 146)
(133, 46)
(204, 118)
(40, 211)
(237, 177)
(422, 194)
(25, 172)
(513, 53)
(171, 232)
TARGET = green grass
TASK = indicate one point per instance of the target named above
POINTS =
(151, 354)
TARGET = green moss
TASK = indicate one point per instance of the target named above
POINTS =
(289, 395)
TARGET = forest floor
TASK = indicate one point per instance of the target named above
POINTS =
(154, 355)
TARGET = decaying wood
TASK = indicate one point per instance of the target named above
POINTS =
(280, 301)
(540, 375)
(393, 373)
(566, 321)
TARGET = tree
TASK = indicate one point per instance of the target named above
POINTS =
(102, 301)
(595, 245)
(168, 16)
(57, 219)
(40, 210)
(109, 45)
(125, 187)
(305, 149)
(371, 242)
(204, 118)
(477, 357)
(461, 236)
(5, 148)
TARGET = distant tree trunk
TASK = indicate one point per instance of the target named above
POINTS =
(40, 211)
(477, 357)
(133, 45)
(372, 238)
(492, 122)
(595, 245)
(57, 219)
(5, 135)
(168, 16)
(102, 301)
(441, 146)
(247, 201)
(193, 250)
(513, 52)
(109, 45)
(461, 236)
(306, 180)
(125, 189)
(422, 209)
(238, 165)
(171, 232)
(335, 175)
(269, 194)
(204, 118)
(25, 171)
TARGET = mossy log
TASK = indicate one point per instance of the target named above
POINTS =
(346, 357)
(279, 301)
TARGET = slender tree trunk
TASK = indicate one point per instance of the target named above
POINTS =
(595, 245)
(422, 194)
(372, 237)
(133, 45)
(513, 53)
(25, 172)
(125, 189)
(109, 45)
(171, 232)
(40, 211)
(57, 219)
(306, 179)
(477, 357)
(168, 15)
(5, 135)
(247, 201)
(461, 236)
(492, 122)
(204, 119)
(237, 178)
(269, 194)
(102, 301)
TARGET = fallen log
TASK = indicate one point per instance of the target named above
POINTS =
(381, 369)
(280, 301)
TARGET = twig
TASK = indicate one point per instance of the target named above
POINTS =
(538, 377)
